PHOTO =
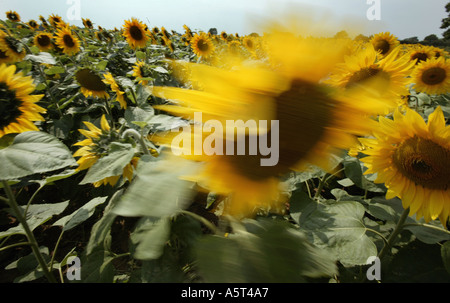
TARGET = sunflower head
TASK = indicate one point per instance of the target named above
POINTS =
(421, 54)
(91, 83)
(87, 23)
(11, 48)
(412, 158)
(13, 16)
(384, 43)
(33, 24)
(141, 70)
(43, 41)
(56, 20)
(115, 87)
(135, 33)
(67, 41)
(202, 45)
(432, 76)
(18, 108)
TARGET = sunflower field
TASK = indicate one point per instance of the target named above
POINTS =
(94, 189)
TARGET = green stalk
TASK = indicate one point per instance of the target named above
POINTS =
(30, 236)
(393, 237)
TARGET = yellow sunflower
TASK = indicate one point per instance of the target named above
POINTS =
(93, 148)
(12, 49)
(68, 42)
(43, 41)
(384, 43)
(432, 76)
(386, 77)
(141, 70)
(87, 23)
(18, 107)
(135, 33)
(422, 53)
(109, 79)
(202, 45)
(13, 16)
(314, 121)
(412, 158)
(55, 20)
(33, 24)
(91, 83)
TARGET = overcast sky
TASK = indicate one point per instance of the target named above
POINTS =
(403, 18)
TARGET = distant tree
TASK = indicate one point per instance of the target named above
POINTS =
(362, 37)
(411, 40)
(341, 35)
(431, 38)
(446, 22)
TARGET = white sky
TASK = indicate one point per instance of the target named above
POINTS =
(403, 18)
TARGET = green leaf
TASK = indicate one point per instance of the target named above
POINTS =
(36, 215)
(80, 215)
(110, 165)
(445, 253)
(263, 251)
(150, 237)
(429, 233)
(158, 190)
(42, 57)
(34, 152)
(55, 70)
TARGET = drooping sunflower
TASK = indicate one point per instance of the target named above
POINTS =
(33, 24)
(91, 83)
(386, 77)
(55, 20)
(412, 158)
(43, 41)
(141, 70)
(95, 146)
(314, 122)
(68, 42)
(135, 33)
(202, 45)
(12, 48)
(432, 76)
(18, 108)
(13, 16)
(120, 95)
(87, 23)
(43, 21)
(384, 43)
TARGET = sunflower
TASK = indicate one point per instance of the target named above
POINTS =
(249, 42)
(314, 122)
(387, 76)
(87, 23)
(412, 158)
(202, 45)
(109, 79)
(13, 16)
(384, 43)
(43, 21)
(33, 24)
(55, 20)
(11, 48)
(95, 146)
(91, 83)
(18, 108)
(422, 53)
(140, 71)
(69, 43)
(432, 76)
(135, 33)
(43, 41)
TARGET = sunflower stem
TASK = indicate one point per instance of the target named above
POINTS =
(29, 234)
(393, 237)
(321, 185)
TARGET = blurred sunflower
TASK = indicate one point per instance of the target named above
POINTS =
(384, 43)
(43, 21)
(141, 70)
(18, 107)
(96, 146)
(412, 158)
(202, 45)
(387, 77)
(13, 16)
(12, 48)
(135, 33)
(422, 53)
(314, 121)
(68, 42)
(91, 83)
(249, 42)
(109, 79)
(432, 76)
(87, 23)
(43, 41)
(33, 24)
(55, 20)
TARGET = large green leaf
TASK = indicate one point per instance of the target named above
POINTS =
(36, 215)
(119, 156)
(264, 251)
(33, 152)
(150, 236)
(159, 189)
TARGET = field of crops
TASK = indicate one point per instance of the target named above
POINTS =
(124, 159)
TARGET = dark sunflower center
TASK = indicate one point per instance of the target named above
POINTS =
(3, 55)
(203, 45)
(43, 40)
(249, 44)
(136, 33)
(89, 23)
(424, 162)
(383, 46)
(33, 24)
(304, 112)
(89, 80)
(419, 57)
(434, 75)
(68, 40)
(13, 17)
(9, 106)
